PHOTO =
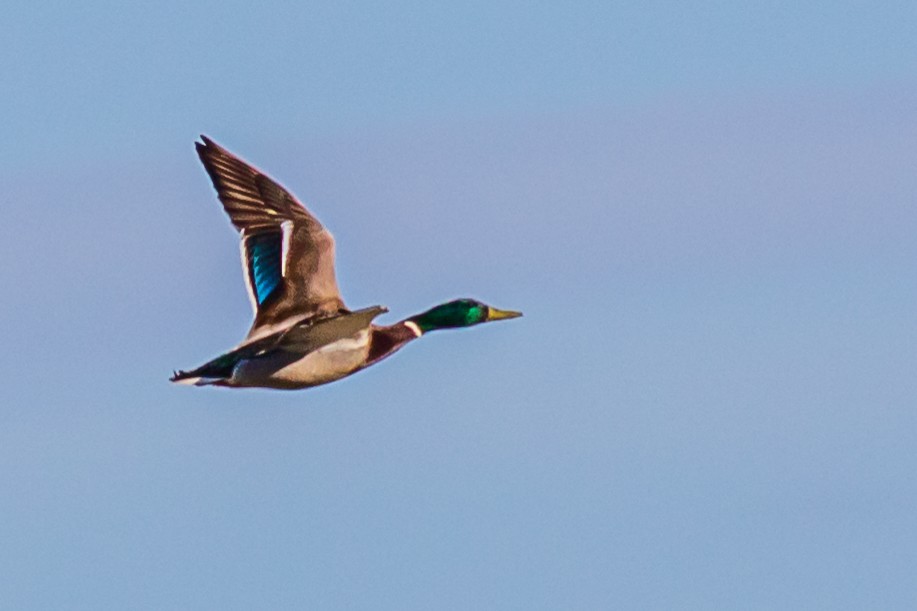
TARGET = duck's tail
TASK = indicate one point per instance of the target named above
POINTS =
(213, 373)
(189, 379)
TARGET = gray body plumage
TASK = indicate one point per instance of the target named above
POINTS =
(292, 370)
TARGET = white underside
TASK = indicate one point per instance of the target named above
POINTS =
(282, 370)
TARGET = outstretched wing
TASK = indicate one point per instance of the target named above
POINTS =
(287, 255)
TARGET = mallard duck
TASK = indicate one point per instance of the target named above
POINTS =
(302, 335)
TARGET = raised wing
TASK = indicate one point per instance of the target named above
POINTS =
(287, 255)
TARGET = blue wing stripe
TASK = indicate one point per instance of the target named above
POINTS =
(264, 253)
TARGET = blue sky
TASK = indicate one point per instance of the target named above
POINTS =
(706, 213)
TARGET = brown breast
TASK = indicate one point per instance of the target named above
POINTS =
(386, 341)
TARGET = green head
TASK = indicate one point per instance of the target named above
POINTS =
(459, 313)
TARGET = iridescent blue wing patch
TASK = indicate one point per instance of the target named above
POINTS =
(263, 254)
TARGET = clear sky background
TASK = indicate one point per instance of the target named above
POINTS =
(707, 212)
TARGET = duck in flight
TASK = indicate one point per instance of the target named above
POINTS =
(303, 335)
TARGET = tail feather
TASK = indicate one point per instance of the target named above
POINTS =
(215, 372)
(199, 381)
(188, 378)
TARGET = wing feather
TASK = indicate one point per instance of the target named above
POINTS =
(288, 256)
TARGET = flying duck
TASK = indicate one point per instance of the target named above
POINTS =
(302, 335)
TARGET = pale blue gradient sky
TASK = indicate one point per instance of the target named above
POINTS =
(707, 213)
